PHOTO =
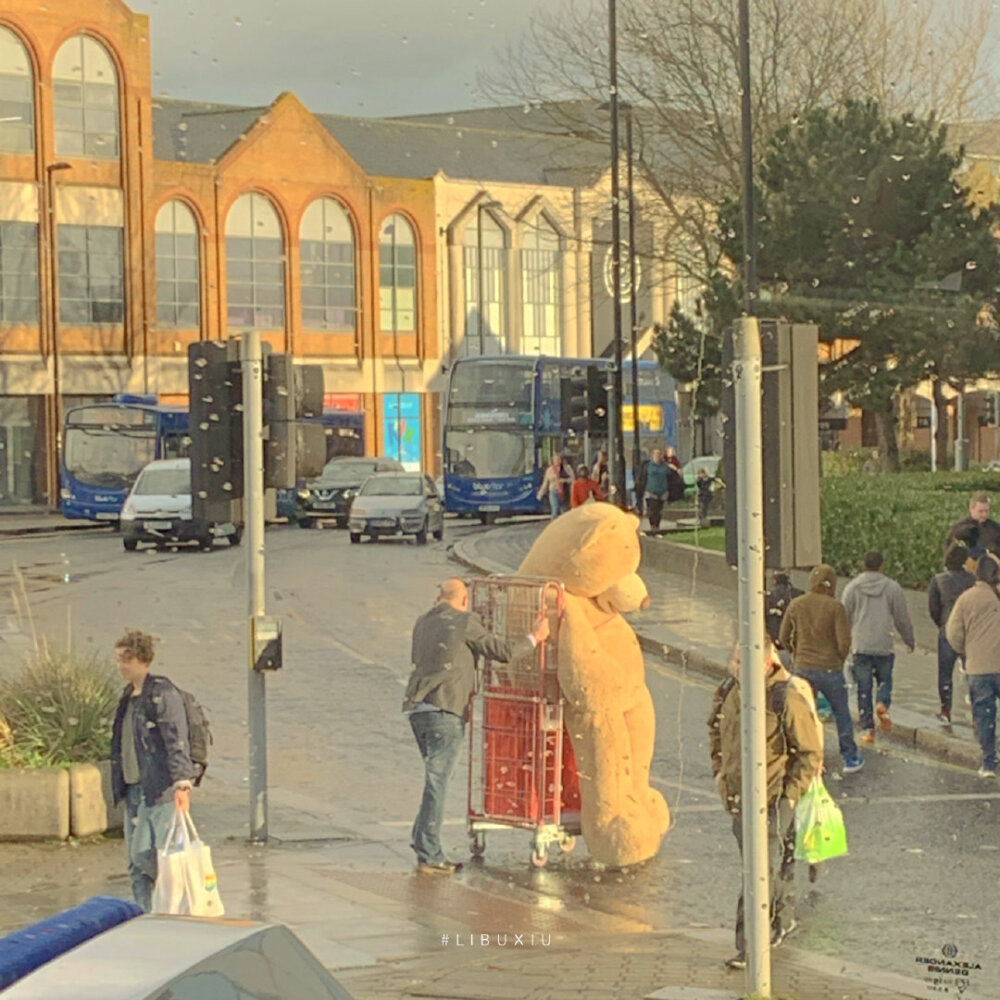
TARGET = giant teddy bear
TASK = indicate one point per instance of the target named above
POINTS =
(594, 552)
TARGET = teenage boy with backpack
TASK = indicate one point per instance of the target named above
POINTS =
(151, 766)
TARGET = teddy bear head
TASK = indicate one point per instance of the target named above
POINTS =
(590, 549)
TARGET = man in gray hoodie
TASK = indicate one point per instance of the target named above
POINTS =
(875, 603)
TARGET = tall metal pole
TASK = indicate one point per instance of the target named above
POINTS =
(253, 493)
(480, 304)
(633, 305)
(750, 547)
(51, 231)
(618, 451)
(961, 441)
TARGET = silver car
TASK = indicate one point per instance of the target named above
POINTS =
(397, 503)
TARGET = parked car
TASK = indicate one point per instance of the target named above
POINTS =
(328, 497)
(158, 510)
(397, 503)
(689, 472)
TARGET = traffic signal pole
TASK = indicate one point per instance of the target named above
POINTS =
(253, 514)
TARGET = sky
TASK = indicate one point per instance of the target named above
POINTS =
(354, 57)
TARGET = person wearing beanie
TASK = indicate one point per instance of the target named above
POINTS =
(944, 590)
(818, 634)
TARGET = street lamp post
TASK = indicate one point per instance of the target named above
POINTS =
(51, 234)
(633, 305)
(618, 451)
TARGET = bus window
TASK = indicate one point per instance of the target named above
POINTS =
(176, 446)
(108, 457)
(489, 454)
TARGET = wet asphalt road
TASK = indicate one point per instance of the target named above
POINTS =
(924, 837)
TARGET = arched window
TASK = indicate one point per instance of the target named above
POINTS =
(17, 96)
(485, 261)
(326, 245)
(397, 276)
(541, 289)
(178, 288)
(255, 265)
(85, 97)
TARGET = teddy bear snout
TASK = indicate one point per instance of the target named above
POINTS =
(645, 603)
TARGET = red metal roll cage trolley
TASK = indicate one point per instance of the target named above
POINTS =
(522, 772)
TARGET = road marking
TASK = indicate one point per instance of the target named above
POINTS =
(917, 799)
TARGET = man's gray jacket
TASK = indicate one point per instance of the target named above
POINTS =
(875, 603)
(446, 642)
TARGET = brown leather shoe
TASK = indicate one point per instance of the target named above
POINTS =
(441, 868)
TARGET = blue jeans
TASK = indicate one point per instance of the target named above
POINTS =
(555, 504)
(145, 833)
(947, 658)
(831, 684)
(439, 736)
(985, 689)
(870, 667)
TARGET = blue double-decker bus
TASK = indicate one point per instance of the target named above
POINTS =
(503, 421)
(106, 445)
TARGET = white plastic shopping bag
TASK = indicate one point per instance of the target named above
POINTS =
(186, 883)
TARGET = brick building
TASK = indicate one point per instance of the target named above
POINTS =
(132, 225)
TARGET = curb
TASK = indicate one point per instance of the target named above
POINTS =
(927, 738)
(48, 529)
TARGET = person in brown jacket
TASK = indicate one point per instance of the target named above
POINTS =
(794, 738)
(973, 631)
(818, 633)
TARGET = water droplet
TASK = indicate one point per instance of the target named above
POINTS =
(238, 21)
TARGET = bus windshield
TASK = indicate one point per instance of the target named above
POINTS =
(109, 457)
(489, 454)
(479, 390)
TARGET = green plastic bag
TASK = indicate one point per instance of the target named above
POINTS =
(820, 833)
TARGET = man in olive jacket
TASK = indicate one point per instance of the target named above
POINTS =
(817, 631)
(794, 738)
(446, 642)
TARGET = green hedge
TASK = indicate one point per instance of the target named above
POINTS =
(905, 516)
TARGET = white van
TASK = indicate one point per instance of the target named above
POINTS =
(158, 510)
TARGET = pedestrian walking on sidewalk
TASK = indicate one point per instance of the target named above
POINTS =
(944, 590)
(875, 604)
(781, 594)
(704, 483)
(447, 640)
(555, 486)
(794, 753)
(657, 480)
(973, 631)
(151, 767)
(818, 634)
(978, 531)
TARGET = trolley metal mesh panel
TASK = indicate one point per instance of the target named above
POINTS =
(522, 772)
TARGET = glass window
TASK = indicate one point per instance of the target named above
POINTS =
(485, 264)
(85, 99)
(17, 96)
(255, 269)
(178, 293)
(91, 275)
(397, 276)
(488, 454)
(541, 290)
(326, 242)
(18, 272)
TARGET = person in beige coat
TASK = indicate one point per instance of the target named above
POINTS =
(973, 631)
(817, 632)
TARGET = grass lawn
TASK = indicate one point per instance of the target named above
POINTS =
(704, 538)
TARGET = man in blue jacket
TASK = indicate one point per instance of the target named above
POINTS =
(151, 768)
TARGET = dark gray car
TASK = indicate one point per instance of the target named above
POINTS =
(328, 497)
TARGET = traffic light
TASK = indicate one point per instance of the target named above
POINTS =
(597, 402)
(574, 404)
(215, 388)
(292, 449)
(991, 414)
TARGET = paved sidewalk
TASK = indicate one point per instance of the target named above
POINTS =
(693, 624)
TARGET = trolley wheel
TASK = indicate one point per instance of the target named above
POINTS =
(539, 858)
(566, 844)
(477, 844)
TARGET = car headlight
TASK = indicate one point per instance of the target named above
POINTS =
(128, 512)
(413, 512)
(303, 494)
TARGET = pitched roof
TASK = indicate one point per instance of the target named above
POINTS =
(198, 132)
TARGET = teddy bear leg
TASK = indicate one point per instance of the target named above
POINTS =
(640, 721)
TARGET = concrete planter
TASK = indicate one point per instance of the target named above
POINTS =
(54, 803)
